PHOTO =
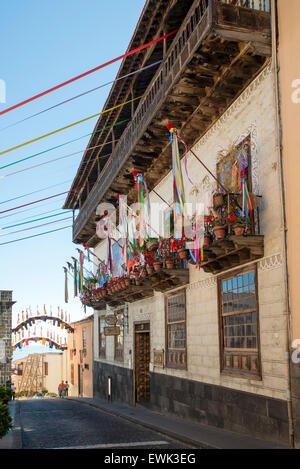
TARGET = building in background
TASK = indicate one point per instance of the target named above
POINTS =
(211, 344)
(40, 371)
(6, 304)
(80, 358)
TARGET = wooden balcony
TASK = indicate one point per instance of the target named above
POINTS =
(220, 48)
(231, 252)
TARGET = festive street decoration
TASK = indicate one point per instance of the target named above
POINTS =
(44, 340)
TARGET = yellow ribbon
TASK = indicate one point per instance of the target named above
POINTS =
(68, 126)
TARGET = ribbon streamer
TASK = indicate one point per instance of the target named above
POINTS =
(67, 126)
(82, 94)
(88, 72)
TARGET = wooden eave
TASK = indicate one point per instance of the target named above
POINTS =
(158, 17)
(214, 57)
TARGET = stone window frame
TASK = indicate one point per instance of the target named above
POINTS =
(176, 357)
(244, 363)
(119, 346)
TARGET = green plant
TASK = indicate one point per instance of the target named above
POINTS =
(236, 218)
(44, 391)
(5, 420)
(211, 222)
(5, 394)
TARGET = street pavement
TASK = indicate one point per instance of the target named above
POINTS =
(67, 424)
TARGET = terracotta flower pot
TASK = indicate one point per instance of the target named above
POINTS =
(144, 273)
(137, 281)
(127, 282)
(157, 266)
(149, 269)
(170, 264)
(219, 232)
(239, 230)
(207, 240)
(182, 253)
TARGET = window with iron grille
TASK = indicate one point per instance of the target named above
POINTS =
(176, 330)
(102, 338)
(238, 308)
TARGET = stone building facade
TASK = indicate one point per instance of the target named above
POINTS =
(43, 371)
(203, 391)
(6, 303)
(215, 348)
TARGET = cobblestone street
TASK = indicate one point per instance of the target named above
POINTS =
(54, 424)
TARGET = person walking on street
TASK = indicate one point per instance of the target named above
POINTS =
(66, 388)
(61, 389)
(13, 388)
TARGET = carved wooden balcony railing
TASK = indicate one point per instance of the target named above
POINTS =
(220, 48)
(159, 281)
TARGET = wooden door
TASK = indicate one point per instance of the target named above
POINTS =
(142, 362)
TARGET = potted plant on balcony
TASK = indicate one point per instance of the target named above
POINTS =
(170, 258)
(157, 264)
(217, 225)
(179, 246)
(143, 273)
(237, 221)
(127, 281)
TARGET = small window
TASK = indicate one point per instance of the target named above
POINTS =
(46, 368)
(176, 330)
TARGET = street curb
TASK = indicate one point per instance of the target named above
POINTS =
(163, 431)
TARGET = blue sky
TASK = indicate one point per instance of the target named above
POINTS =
(44, 43)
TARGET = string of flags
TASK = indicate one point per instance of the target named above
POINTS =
(50, 328)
